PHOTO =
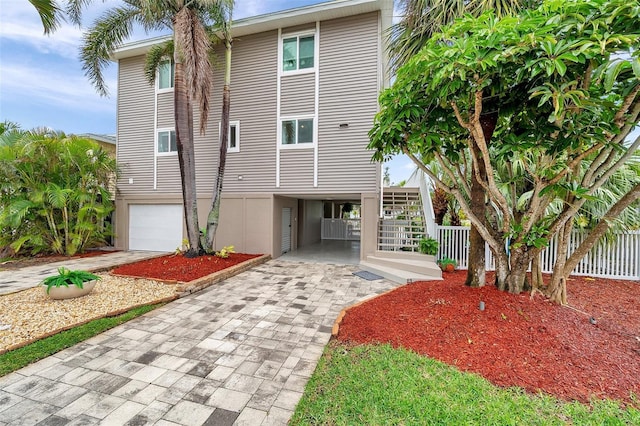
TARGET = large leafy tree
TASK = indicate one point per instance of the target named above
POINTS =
(192, 78)
(421, 19)
(54, 195)
(562, 82)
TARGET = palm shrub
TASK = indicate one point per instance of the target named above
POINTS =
(53, 193)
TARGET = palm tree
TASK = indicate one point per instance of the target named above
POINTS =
(420, 21)
(192, 76)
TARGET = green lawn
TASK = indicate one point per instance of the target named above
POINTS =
(379, 385)
(18, 358)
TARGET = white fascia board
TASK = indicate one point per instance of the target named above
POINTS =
(272, 21)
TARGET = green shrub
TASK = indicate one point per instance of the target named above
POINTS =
(428, 246)
(54, 197)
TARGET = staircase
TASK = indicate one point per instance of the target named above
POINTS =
(400, 229)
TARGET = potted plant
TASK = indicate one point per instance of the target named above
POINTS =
(447, 264)
(428, 246)
(67, 284)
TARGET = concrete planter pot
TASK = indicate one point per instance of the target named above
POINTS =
(71, 292)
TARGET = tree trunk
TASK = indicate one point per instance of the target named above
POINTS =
(563, 267)
(536, 272)
(501, 260)
(476, 271)
(556, 290)
(518, 264)
(186, 157)
(213, 219)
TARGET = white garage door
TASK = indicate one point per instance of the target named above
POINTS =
(155, 227)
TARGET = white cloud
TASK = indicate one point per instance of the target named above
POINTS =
(21, 24)
(58, 88)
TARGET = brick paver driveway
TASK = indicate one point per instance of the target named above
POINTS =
(239, 352)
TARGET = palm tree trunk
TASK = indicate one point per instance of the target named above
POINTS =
(186, 157)
(213, 219)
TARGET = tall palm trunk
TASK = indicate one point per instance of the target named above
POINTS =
(186, 156)
(213, 219)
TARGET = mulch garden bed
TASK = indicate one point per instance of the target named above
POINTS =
(180, 268)
(21, 262)
(518, 340)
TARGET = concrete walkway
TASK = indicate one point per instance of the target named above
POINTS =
(30, 276)
(239, 352)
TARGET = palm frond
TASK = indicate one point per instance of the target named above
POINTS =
(108, 32)
(50, 14)
(157, 54)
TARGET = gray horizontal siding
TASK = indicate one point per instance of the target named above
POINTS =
(348, 94)
(297, 94)
(166, 118)
(253, 103)
(136, 108)
(296, 170)
(169, 175)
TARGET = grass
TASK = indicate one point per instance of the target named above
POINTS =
(18, 358)
(379, 385)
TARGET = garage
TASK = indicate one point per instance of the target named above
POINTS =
(155, 227)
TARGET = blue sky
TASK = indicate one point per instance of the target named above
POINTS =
(42, 83)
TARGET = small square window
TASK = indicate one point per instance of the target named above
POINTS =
(298, 53)
(167, 142)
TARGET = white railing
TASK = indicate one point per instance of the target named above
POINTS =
(340, 229)
(617, 257)
(399, 235)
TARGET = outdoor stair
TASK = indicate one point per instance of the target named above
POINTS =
(402, 267)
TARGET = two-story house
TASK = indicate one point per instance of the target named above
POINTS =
(304, 90)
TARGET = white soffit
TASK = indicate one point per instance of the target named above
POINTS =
(283, 19)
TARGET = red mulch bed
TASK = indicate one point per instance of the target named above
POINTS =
(517, 340)
(21, 262)
(179, 268)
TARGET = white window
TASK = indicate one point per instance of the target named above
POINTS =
(298, 52)
(165, 75)
(233, 141)
(297, 131)
(167, 142)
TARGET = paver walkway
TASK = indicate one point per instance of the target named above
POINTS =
(239, 352)
(31, 276)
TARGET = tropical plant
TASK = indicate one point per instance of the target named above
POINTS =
(54, 193)
(193, 74)
(421, 19)
(446, 263)
(66, 277)
(428, 246)
(565, 98)
(225, 251)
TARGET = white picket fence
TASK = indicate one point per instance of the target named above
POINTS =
(617, 257)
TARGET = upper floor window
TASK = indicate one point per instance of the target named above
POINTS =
(297, 131)
(298, 52)
(233, 141)
(167, 142)
(165, 75)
